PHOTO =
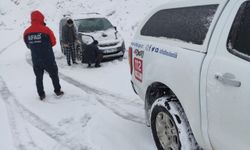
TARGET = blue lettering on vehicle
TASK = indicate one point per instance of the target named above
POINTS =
(137, 45)
(153, 49)
(148, 48)
(168, 53)
(156, 50)
(162, 51)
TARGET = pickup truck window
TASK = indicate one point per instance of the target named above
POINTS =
(188, 24)
(239, 36)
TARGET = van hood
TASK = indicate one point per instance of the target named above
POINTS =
(104, 36)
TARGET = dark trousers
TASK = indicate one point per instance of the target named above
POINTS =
(98, 58)
(70, 52)
(53, 73)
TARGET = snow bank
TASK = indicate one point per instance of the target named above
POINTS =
(125, 14)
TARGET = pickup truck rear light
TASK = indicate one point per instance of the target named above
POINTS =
(130, 57)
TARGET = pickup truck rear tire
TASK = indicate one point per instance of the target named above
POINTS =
(170, 127)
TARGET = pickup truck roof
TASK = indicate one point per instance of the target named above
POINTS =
(180, 4)
(185, 3)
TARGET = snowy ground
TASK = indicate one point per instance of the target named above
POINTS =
(88, 116)
(99, 110)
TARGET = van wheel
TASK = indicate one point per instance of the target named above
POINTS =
(170, 127)
(121, 58)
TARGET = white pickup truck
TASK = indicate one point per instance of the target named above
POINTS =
(190, 63)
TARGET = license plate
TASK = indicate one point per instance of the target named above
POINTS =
(110, 50)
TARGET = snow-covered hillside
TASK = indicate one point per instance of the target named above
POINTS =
(99, 110)
(125, 14)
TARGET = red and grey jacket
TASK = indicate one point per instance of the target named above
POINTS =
(40, 40)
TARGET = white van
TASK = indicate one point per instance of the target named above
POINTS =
(190, 63)
(94, 26)
(98, 27)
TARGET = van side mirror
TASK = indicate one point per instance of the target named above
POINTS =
(116, 32)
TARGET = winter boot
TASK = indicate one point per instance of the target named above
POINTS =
(69, 64)
(60, 93)
(42, 97)
(97, 65)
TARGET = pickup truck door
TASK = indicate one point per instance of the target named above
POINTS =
(228, 81)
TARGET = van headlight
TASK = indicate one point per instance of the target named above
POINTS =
(87, 40)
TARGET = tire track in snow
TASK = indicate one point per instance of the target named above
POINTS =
(104, 99)
(13, 115)
(11, 44)
(15, 125)
(61, 137)
(108, 100)
(14, 107)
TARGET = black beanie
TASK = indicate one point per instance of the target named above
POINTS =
(70, 21)
(95, 42)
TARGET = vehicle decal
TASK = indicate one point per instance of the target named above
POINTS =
(138, 66)
(148, 47)
(137, 45)
(162, 51)
(139, 53)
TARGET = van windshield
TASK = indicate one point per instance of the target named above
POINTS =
(93, 24)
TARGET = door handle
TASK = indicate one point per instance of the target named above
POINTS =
(228, 79)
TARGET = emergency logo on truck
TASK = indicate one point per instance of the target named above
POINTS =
(139, 53)
(138, 69)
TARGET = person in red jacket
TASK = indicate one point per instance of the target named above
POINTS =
(40, 40)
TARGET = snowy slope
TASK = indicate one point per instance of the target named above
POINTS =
(125, 14)
(83, 118)
(99, 110)
(6, 140)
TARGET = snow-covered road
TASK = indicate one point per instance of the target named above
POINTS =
(114, 102)
(89, 116)
(99, 110)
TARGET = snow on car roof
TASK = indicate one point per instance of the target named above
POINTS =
(87, 15)
(184, 3)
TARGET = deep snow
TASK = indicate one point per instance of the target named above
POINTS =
(99, 110)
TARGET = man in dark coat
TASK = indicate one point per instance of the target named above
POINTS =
(69, 38)
(40, 40)
(92, 54)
